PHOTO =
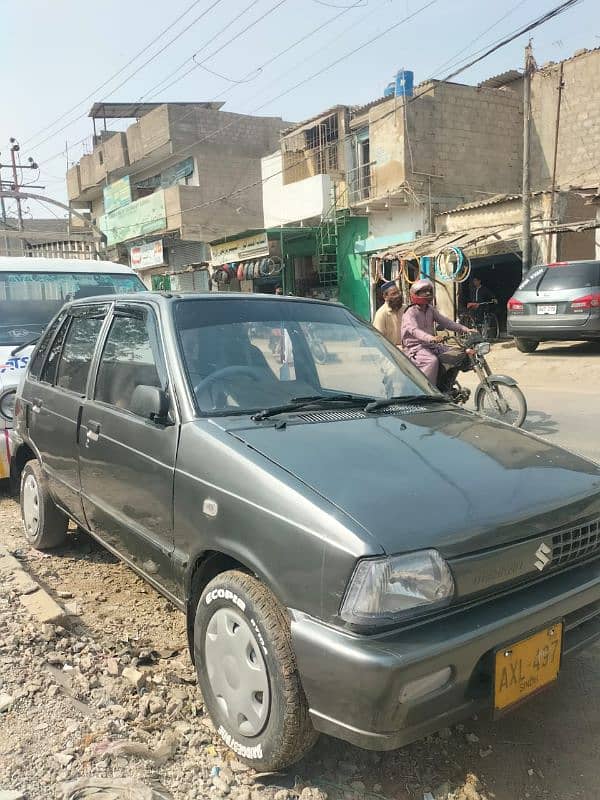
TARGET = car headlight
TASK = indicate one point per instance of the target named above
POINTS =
(7, 404)
(483, 348)
(381, 589)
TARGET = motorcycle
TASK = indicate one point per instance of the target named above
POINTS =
(496, 396)
(317, 346)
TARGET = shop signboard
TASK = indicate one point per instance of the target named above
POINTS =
(117, 195)
(169, 176)
(239, 249)
(136, 219)
(147, 255)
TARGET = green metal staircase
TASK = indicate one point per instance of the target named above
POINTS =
(328, 238)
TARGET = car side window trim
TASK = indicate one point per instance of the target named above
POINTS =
(56, 324)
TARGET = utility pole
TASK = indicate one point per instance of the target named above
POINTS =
(16, 186)
(526, 224)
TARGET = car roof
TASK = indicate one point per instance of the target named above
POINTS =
(167, 298)
(25, 264)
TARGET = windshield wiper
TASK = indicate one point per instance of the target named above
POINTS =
(405, 399)
(298, 403)
(23, 346)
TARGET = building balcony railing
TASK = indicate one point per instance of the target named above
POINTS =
(361, 183)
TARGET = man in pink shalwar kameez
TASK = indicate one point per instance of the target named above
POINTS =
(419, 340)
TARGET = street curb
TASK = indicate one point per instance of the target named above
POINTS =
(36, 601)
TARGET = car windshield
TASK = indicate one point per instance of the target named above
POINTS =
(576, 275)
(247, 355)
(29, 300)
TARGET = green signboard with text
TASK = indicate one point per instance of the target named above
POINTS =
(136, 219)
(117, 195)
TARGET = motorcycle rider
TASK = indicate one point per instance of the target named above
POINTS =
(388, 318)
(418, 337)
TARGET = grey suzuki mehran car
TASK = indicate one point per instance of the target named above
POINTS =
(354, 554)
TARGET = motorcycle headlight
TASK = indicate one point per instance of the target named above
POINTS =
(483, 348)
(7, 404)
(382, 589)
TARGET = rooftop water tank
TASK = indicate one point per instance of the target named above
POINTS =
(405, 80)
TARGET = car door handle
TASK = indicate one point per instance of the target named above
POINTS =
(36, 406)
(93, 431)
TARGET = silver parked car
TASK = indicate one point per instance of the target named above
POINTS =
(559, 301)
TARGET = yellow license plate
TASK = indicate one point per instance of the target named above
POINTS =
(523, 668)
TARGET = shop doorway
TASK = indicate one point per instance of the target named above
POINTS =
(500, 274)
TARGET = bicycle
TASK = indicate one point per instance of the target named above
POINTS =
(488, 325)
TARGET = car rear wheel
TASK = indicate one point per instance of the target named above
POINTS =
(44, 524)
(526, 345)
(247, 672)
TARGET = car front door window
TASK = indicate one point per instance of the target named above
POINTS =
(129, 360)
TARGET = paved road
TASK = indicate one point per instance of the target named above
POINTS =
(562, 385)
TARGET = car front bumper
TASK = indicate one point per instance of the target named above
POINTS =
(354, 684)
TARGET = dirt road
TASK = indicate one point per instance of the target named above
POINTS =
(114, 694)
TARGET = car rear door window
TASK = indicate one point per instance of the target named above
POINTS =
(131, 358)
(77, 352)
(48, 373)
(571, 276)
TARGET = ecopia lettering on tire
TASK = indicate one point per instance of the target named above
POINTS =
(225, 594)
(255, 752)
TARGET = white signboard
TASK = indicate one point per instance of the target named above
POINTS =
(147, 255)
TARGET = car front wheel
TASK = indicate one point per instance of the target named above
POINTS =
(44, 524)
(526, 345)
(247, 672)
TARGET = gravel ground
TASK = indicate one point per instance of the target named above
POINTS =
(113, 697)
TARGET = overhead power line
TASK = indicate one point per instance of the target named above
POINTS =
(197, 64)
(184, 63)
(260, 68)
(123, 68)
(525, 29)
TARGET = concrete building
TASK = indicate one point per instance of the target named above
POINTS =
(565, 123)
(179, 176)
(418, 154)
(46, 238)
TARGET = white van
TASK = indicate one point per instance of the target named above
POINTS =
(32, 290)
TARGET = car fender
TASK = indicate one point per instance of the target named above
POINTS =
(503, 380)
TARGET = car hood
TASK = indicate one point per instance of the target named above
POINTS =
(447, 479)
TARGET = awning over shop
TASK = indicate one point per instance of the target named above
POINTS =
(476, 243)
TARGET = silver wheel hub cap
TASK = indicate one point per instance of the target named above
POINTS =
(31, 506)
(237, 672)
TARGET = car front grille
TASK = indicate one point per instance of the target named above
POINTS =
(575, 543)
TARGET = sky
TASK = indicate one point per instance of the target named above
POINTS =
(63, 54)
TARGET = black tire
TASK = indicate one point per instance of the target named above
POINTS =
(48, 528)
(490, 330)
(513, 398)
(526, 345)
(287, 733)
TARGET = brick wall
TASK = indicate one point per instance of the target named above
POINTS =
(578, 161)
(468, 139)
(471, 137)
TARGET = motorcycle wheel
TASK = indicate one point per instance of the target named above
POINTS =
(502, 402)
(319, 352)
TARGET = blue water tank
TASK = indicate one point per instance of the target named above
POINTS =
(390, 89)
(405, 80)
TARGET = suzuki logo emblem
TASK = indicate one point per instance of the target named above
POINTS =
(544, 556)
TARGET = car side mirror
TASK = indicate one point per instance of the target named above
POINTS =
(150, 402)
